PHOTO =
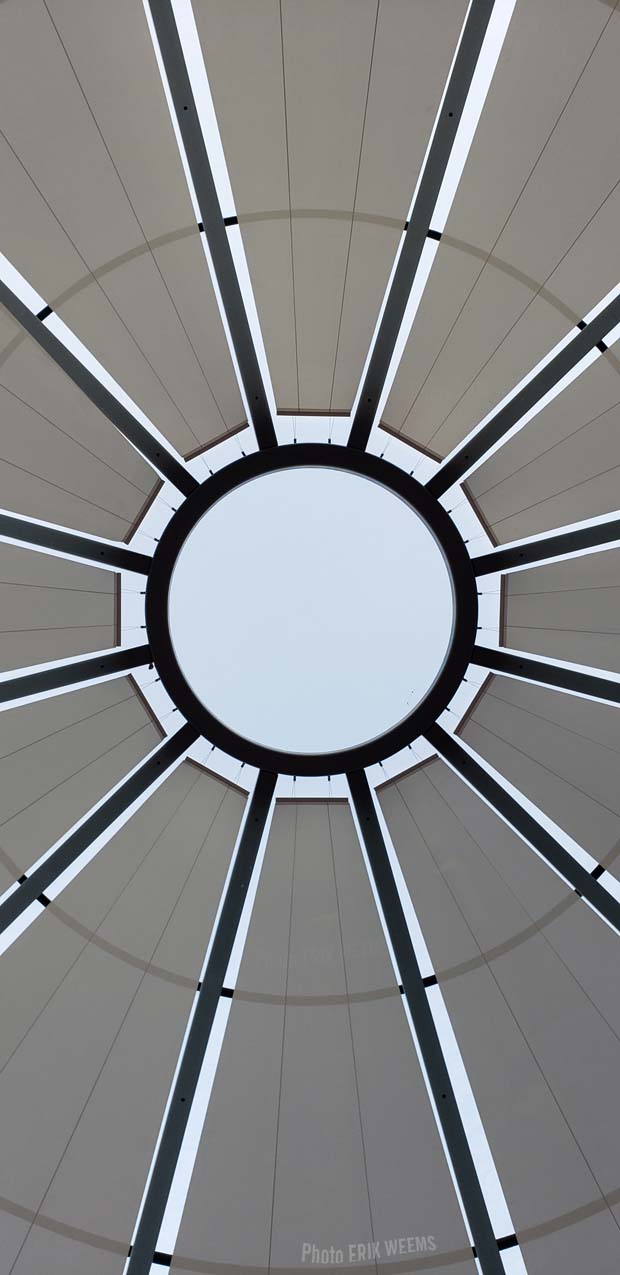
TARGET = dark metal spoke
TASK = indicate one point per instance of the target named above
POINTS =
(473, 450)
(63, 677)
(472, 770)
(34, 885)
(517, 664)
(72, 544)
(420, 221)
(474, 1204)
(212, 221)
(152, 449)
(536, 552)
(144, 1246)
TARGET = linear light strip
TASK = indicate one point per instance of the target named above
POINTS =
(469, 79)
(560, 852)
(23, 686)
(63, 543)
(211, 1047)
(474, 1128)
(70, 354)
(561, 544)
(590, 683)
(569, 359)
(181, 65)
(58, 866)
(467, 1152)
(187, 1082)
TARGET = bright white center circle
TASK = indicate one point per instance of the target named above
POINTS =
(310, 610)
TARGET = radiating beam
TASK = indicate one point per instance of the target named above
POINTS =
(154, 1205)
(35, 884)
(509, 809)
(548, 673)
(150, 447)
(71, 674)
(426, 1032)
(420, 219)
(72, 544)
(474, 449)
(534, 552)
(188, 120)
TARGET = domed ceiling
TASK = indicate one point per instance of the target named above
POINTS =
(310, 658)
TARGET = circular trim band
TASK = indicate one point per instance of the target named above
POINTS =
(328, 456)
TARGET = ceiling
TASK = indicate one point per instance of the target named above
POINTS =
(372, 1024)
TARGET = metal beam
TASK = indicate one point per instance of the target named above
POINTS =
(517, 664)
(36, 883)
(72, 544)
(474, 449)
(64, 677)
(514, 814)
(420, 220)
(190, 129)
(152, 449)
(149, 1225)
(535, 552)
(487, 1250)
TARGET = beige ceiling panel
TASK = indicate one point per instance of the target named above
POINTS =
(320, 251)
(267, 243)
(413, 50)
(138, 294)
(561, 752)
(129, 109)
(319, 1108)
(329, 44)
(532, 1074)
(61, 755)
(371, 254)
(182, 263)
(178, 843)
(346, 151)
(495, 889)
(498, 210)
(108, 169)
(61, 460)
(242, 49)
(52, 609)
(454, 399)
(567, 610)
(136, 895)
(562, 466)
(90, 1080)
(94, 317)
(453, 275)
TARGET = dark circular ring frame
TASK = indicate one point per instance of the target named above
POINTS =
(325, 456)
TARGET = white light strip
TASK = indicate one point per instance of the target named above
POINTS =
(78, 683)
(561, 666)
(20, 286)
(600, 520)
(20, 924)
(22, 289)
(77, 347)
(581, 856)
(479, 87)
(189, 1148)
(194, 61)
(568, 843)
(59, 553)
(490, 1184)
(64, 878)
(547, 398)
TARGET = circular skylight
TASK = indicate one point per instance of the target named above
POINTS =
(310, 610)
